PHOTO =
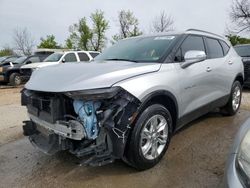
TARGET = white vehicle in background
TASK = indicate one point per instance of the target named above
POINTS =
(56, 58)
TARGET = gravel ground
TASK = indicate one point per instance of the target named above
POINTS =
(196, 156)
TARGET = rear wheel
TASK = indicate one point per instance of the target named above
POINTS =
(15, 79)
(234, 101)
(150, 137)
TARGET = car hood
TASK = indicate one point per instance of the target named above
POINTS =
(38, 65)
(81, 76)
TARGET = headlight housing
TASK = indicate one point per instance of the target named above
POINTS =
(94, 94)
(243, 159)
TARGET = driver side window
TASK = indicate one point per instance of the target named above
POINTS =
(190, 43)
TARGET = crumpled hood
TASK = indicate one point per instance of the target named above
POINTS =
(81, 76)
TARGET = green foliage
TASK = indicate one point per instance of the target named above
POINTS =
(6, 52)
(100, 26)
(234, 39)
(80, 35)
(48, 42)
(129, 25)
(69, 44)
(86, 38)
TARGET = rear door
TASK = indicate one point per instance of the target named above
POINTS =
(221, 65)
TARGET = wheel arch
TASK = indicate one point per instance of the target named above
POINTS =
(8, 73)
(239, 77)
(166, 98)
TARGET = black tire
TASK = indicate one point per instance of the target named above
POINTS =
(229, 109)
(15, 79)
(134, 155)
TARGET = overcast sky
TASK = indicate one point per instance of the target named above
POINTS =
(43, 17)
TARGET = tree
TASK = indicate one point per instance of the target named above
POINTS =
(6, 51)
(129, 25)
(163, 23)
(240, 16)
(80, 35)
(23, 41)
(69, 43)
(84, 37)
(48, 42)
(234, 39)
(100, 26)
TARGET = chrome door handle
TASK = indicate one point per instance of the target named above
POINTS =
(209, 69)
(230, 62)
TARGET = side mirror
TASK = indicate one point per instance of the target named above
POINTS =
(63, 60)
(28, 62)
(193, 56)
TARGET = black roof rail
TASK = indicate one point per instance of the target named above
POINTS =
(204, 32)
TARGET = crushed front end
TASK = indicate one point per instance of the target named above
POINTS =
(93, 124)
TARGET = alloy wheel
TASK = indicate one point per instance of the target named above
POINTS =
(154, 137)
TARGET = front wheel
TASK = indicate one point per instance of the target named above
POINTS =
(234, 101)
(15, 79)
(150, 137)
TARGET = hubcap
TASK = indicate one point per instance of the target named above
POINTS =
(17, 80)
(154, 137)
(236, 98)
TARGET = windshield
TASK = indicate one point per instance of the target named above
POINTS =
(147, 49)
(19, 60)
(10, 59)
(243, 51)
(53, 57)
(2, 58)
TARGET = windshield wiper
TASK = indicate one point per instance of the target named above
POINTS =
(120, 59)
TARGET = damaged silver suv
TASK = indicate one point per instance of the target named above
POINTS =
(130, 100)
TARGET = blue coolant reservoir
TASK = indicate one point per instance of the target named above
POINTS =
(86, 111)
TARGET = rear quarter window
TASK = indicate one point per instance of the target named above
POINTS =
(225, 47)
(94, 54)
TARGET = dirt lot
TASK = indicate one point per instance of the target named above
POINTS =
(196, 156)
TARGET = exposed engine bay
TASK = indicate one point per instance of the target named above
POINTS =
(93, 123)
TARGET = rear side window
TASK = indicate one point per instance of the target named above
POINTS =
(190, 43)
(71, 57)
(225, 47)
(83, 56)
(94, 54)
(214, 48)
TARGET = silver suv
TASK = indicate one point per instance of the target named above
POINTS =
(131, 99)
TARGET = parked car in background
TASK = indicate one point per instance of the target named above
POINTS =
(10, 73)
(244, 52)
(237, 173)
(56, 58)
(8, 59)
(129, 101)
